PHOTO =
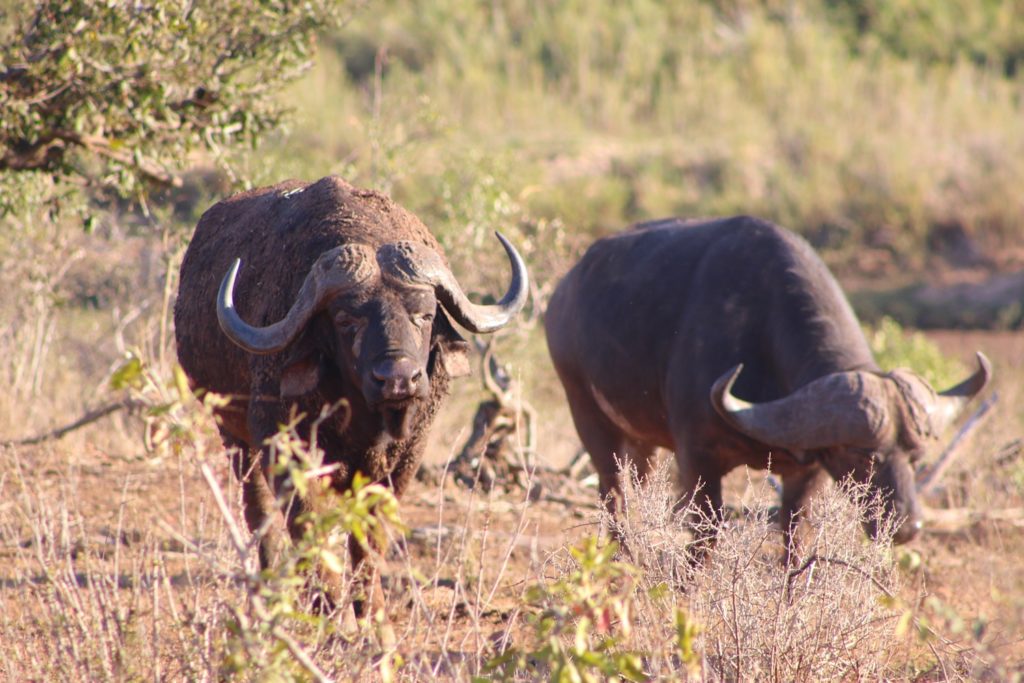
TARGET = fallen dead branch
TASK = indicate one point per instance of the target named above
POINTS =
(954, 520)
(128, 404)
(928, 477)
(490, 455)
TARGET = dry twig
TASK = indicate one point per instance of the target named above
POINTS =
(128, 404)
(928, 477)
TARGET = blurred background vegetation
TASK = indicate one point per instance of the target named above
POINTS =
(891, 134)
(891, 125)
(885, 129)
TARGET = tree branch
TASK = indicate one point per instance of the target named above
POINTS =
(88, 418)
(103, 148)
(929, 477)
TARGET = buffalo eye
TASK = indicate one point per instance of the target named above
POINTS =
(421, 319)
(345, 323)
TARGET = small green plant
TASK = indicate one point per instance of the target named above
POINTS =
(585, 622)
(268, 635)
(687, 631)
(588, 627)
(276, 634)
(953, 641)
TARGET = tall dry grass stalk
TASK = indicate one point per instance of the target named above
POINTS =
(824, 618)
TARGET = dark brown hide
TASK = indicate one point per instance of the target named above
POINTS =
(650, 321)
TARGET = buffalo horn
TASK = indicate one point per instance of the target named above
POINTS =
(414, 263)
(950, 403)
(333, 272)
(846, 408)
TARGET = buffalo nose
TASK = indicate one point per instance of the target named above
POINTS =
(398, 377)
(907, 531)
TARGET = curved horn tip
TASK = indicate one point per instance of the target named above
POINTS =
(985, 365)
(721, 393)
(254, 340)
(484, 319)
(519, 270)
(974, 384)
(227, 284)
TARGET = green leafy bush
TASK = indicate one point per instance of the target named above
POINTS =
(804, 113)
(118, 95)
(895, 347)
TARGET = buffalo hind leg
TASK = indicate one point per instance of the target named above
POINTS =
(611, 453)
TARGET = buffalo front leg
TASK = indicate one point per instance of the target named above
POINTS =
(797, 489)
(369, 600)
(276, 538)
(303, 514)
(259, 506)
(701, 489)
(274, 490)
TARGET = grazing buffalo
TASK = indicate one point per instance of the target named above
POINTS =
(342, 295)
(730, 343)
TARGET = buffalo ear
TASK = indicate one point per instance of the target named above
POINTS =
(302, 368)
(449, 347)
(300, 376)
(456, 359)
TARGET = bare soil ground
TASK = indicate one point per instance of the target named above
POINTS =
(129, 531)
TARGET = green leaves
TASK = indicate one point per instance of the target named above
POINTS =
(583, 630)
(895, 347)
(366, 510)
(128, 375)
(686, 636)
(119, 94)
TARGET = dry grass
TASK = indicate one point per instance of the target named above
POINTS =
(760, 619)
(129, 572)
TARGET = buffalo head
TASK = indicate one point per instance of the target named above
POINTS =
(861, 425)
(384, 324)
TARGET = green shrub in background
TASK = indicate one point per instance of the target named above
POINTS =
(813, 114)
(117, 96)
(893, 124)
(895, 347)
(989, 34)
